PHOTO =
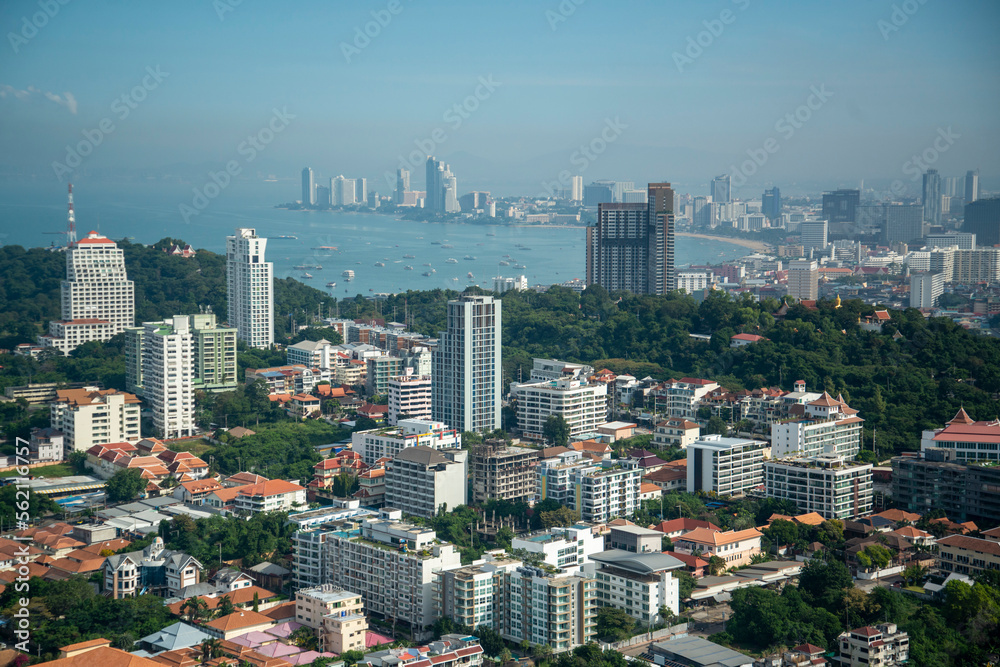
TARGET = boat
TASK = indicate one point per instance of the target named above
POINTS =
(427, 263)
(451, 260)
(286, 236)
(307, 276)
(426, 273)
(379, 263)
(520, 266)
(490, 234)
(469, 257)
(409, 256)
(407, 268)
(470, 275)
(455, 279)
(331, 284)
(504, 262)
(445, 245)
(325, 247)
(435, 243)
(348, 274)
(303, 267)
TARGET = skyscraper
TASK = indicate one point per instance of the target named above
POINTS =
(932, 197)
(771, 204)
(971, 186)
(308, 187)
(632, 245)
(721, 189)
(168, 376)
(98, 299)
(402, 185)
(803, 279)
(442, 187)
(249, 288)
(841, 205)
(342, 191)
(466, 371)
(576, 188)
(982, 218)
(903, 223)
(360, 190)
(814, 234)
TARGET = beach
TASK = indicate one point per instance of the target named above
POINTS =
(757, 246)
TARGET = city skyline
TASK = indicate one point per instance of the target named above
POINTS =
(820, 105)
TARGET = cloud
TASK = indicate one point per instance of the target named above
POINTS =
(67, 99)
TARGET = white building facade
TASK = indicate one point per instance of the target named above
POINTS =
(250, 289)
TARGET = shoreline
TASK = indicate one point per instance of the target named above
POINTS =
(758, 246)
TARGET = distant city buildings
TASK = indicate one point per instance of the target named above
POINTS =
(926, 289)
(815, 234)
(931, 196)
(441, 186)
(308, 187)
(971, 186)
(771, 204)
(467, 365)
(982, 218)
(721, 189)
(250, 290)
(841, 205)
(803, 279)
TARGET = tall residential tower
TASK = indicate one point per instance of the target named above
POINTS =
(249, 288)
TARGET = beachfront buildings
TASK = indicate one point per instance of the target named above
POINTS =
(249, 288)
(726, 466)
(466, 367)
(831, 486)
(98, 299)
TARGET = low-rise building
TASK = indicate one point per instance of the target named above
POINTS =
(387, 442)
(678, 527)
(831, 486)
(46, 444)
(971, 440)
(155, 570)
(882, 645)
(639, 584)
(826, 425)
(566, 548)
(335, 615)
(726, 466)
(91, 416)
(694, 651)
(502, 472)
(635, 539)
(425, 480)
(967, 555)
(274, 495)
(675, 432)
(582, 405)
(736, 547)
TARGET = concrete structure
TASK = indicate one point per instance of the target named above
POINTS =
(410, 397)
(392, 565)
(926, 289)
(639, 584)
(736, 547)
(467, 366)
(683, 397)
(274, 495)
(424, 480)
(549, 609)
(335, 615)
(308, 187)
(879, 646)
(90, 416)
(828, 426)
(936, 480)
(831, 486)
(803, 279)
(676, 432)
(98, 299)
(982, 218)
(311, 353)
(967, 555)
(249, 288)
(388, 442)
(814, 234)
(693, 651)
(584, 406)
(598, 494)
(931, 196)
(474, 595)
(165, 373)
(632, 245)
(727, 466)
(153, 570)
(970, 440)
(635, 539)
(47, 444)
(502, 472)
(566, 548)
(840, 205)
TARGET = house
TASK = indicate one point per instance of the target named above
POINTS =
(744, 339)
(99, 652)
(617, 430)
(275, 495)
(224, 498)
(242, 479)
(229, 579)
(649, 491)
(173, 637)
(153, 570)
(693, 564)
(240, 432)
(671, 477)
(735, 547)
(645, 460)
(238, 623)
(676, 432)
(882, 645)
(678, 527)
(304, 405)
(195, 491)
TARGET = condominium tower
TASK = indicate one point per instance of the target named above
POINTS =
(249, 288)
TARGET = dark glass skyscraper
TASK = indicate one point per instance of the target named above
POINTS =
(932, 197)
(841, 205)
(771, 204)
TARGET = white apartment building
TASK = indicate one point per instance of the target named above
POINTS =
(554, 369)
(312, 354)
(409, 395)
(98, 299)
(638, 584)
(473, 595)
(829, 426)
(274, 495)
(676, 432)
(566, 548)
(727, 466)
(880, 646)
(694, 281)
(803, 279)
(926, 289)
(249, 288)
(598, 494)
(556, 610)
(517, 283)
(336, 615)
(684, 396)
(168, 376)
(421, 480)
(392, 565)
(832, 486)
(388, 442)
(90, 416)
(466, 366)
(584, 406)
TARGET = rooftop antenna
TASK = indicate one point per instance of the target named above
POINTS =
(70, 221)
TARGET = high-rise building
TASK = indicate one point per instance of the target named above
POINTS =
(961, 240)
(814, 234)
(902, 223)
(402, 186)
(971, 186)
(342, 191)
(98, 299)
(409, 397)
(982, 218)
(168, 376)
(632, 246)
(832, 486)
(360, 190)
(466, 365)
(576, 188)
(721, 189)
(931, 196)
(213, 354)
(90, 416)
(828, 427)
(926, 289)
(583, 406)
(727, 466)
(424, 480)
(441, 186)
(502, 472)
(308, 187)
(249, 288)
(803, 279)
(841, 205)
(770, 204)
(322, 196)
(701, 212)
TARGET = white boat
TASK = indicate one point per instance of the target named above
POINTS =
(451, 260)
(348, 275)
(470, 258)
(520, 266)
(307, 276)
(331, 284)
(409, 256)
(407, 268)
(504, 262)
(379, 263)
(469, 275)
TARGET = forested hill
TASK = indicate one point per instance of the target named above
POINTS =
(901, 385)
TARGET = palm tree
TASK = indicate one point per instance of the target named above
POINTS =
(195, 607)
(210, 648)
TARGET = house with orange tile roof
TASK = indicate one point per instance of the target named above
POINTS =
(678, 527)
(238, 623)
(224, 498)
(899, 516)
(304, 405)
(735, 547)
(649, 491)
(275, 495)
(243, 478)
(74, 650)
(195, 491)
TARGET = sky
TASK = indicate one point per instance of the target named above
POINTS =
(514, 95)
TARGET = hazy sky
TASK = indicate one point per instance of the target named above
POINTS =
(201, 77)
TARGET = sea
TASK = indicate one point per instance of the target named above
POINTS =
(385, 253)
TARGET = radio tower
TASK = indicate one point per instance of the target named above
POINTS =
(70, 222)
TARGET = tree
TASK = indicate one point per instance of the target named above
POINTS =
(78, 461)
(685, 583)
(556, 431)
(225, 607)
(914, 574)
(716, 425)
(824, 582)
(875, 556)
(305, 638)
(125, 485)
(256, 601)
(716, 566)
(210, 648)
(352, 658)
(195, 608)
(490, 640)
(563, 516)
(614, 624)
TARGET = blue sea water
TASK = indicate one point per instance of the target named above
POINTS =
(149, 211)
